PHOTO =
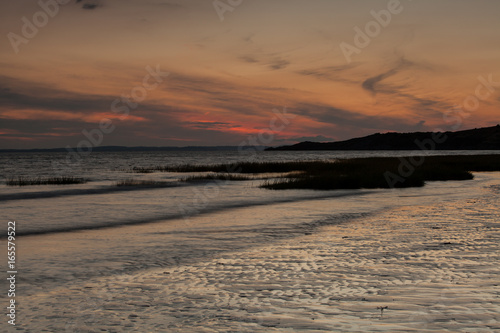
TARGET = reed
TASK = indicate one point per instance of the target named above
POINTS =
(26, 181)
(240, 167)
(351, 173)
(217, 176)
(142, 183)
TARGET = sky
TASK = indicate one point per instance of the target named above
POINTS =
(226, 72)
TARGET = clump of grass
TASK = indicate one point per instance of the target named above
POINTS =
(142, 170)
(26, 181)
(333, 182)
(352, 173)
(371, 173)
(240, 167)
(217, 176)
(142, 182)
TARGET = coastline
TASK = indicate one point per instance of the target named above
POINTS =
(434, 266)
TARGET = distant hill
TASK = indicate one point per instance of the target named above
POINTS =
(487, 138)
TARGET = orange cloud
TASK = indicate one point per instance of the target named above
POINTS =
(61, 115)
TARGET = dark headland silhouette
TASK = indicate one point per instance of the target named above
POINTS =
(487, 138)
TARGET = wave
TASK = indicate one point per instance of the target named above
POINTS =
(86, 191)
(180, 215)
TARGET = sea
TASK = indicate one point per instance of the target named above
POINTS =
(70, 235)
(99, 203)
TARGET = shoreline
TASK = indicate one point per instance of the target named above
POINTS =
(433, 265)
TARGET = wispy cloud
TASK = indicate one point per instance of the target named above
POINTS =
(90, 4)
(278, 63)
(373, 84)
(329, 72)
(213, 125)
(353, 119)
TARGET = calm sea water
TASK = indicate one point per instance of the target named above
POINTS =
(100, 203)
(107, 166)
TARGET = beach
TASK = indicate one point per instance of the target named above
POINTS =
(189, 166)
(427, 256)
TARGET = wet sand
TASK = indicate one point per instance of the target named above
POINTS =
(434, 267)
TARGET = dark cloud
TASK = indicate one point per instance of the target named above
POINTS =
(277, 64)
(249, 59)
(352, 119)
(71, 102)
(41, 126)
(94, 4)
(18, 95)
(328, 72)
(167, 120)
(164, 126)
(274, 63)
(426, 106)
(423, 106)
(339, 73)
(209, 124)
(224, 95)
(372, 84)
(90, 4)
(420, 124)
(248, 39)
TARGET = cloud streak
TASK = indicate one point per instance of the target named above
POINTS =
(227, 77)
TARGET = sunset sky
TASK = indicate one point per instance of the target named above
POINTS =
(231, 63)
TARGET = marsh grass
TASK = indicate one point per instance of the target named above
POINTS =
(234, 177)
(351, 173)
(242, 167)
(371, 172)
(142, 170)
(217, 176)
(26, 181)
(142, 183)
